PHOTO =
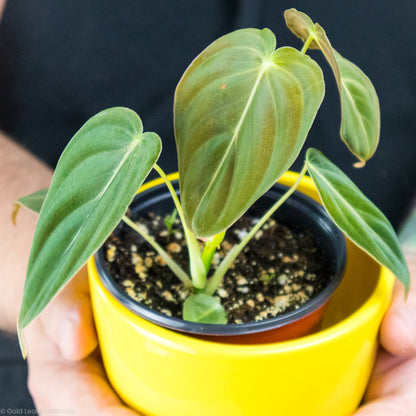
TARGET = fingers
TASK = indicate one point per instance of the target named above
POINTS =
(68, 319)
(398, 329)
(391, 392)
(385, 362)
(395, 405)
(78, 387)
(397, 380)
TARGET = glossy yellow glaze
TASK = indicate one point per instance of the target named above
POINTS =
(163, 373)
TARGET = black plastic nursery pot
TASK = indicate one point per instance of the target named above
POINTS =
(299, 212)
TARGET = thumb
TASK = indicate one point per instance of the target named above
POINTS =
(68, 319)
(398, 329)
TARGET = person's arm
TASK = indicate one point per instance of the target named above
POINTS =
(20, 174)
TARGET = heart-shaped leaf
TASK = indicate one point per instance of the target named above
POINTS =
(242, 114)
(33, 202)
(95, 180)
(360, 111)
(356, 215)
(204, 309)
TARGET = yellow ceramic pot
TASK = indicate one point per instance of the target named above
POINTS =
(165, 373)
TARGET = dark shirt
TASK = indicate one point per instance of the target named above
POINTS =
(63, 61)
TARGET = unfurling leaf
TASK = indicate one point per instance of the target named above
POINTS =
(242, 113)
(204, 309)
(300, 25)
(360, 111)
(95, 180)
(357, 216)
(33, 202)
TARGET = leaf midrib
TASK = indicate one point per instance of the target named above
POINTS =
(135, 142)
(357, 113)
(360, 220)
(234, 137)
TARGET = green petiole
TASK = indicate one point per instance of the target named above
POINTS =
(181, 275)
(216, 279)
(198, 272)
(307, 43)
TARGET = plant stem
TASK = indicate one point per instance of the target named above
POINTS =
(216, 279)
(196, 265)
(181, 275)
(307, 43)
(210, 248)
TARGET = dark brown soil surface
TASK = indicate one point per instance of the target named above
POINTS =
(278, 271)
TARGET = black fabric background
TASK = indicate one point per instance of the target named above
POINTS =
(63, 61)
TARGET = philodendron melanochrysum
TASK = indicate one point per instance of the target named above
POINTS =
(242, 112)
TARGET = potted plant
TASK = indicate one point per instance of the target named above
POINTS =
(243, 110)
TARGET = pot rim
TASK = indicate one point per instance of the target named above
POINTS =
(183, 326)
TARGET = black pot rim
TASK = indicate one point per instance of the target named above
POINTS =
(181, 325)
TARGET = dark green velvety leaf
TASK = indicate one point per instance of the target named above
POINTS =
(33, 202)
(242, 113)
(204, 309)
(95, 180)
(356, 215)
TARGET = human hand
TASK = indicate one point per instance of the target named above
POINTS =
(392, 388)
(65, 368)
